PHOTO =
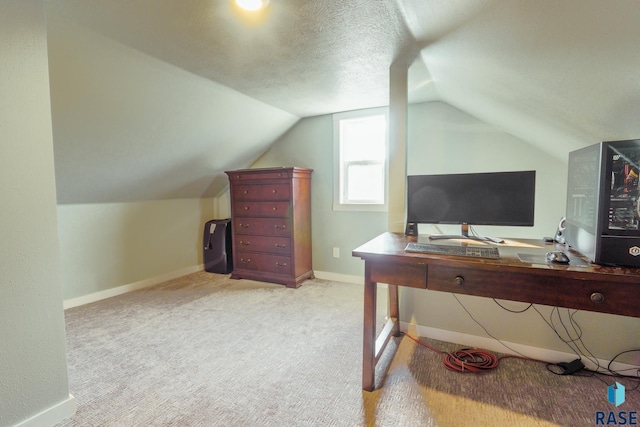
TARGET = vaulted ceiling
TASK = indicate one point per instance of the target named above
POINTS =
(153, 99)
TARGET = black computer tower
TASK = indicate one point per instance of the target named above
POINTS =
(217, 246)
(603, 216)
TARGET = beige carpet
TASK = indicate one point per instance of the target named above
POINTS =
(205, 350)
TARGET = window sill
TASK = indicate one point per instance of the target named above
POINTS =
(360, 207)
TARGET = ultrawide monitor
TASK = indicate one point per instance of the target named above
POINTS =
(492, 198)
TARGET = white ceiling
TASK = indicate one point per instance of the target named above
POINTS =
(304, 57)
(543, 70)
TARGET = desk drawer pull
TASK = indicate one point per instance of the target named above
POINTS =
(281, 264)
(244, 243)
(245, 261)
(458, 281)
(597, 297)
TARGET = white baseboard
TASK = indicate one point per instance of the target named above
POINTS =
(491, 344)
(346, 278)
(53, 415)
(108, 293)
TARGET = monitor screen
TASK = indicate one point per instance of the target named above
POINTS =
(492, 198)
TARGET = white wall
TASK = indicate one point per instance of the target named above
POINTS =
(33, 368)
(442, 139)
(310, 144)
(128, 126)
(108, 245)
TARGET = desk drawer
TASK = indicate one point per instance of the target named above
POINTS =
(412, 275)
(538, 286)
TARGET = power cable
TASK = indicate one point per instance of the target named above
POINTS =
(470, 360)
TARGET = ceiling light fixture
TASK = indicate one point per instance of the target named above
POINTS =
(252, 5)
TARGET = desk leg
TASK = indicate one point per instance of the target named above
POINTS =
(369, 331)
(394, 311)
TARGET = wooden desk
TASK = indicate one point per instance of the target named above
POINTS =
(614, 290)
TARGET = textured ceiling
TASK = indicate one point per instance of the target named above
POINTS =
(557, 74)
(304, 57)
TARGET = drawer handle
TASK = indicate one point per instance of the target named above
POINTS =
(245, 261)
(246, 208)
(280, 246)
(274, 191)
(280, 227)
(281, 264)
(244, 243)
(458, 281)
(275, 208)
(243, 225)
(597, 298)
(245, 192)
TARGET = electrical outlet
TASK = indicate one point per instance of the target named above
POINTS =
(336, 252)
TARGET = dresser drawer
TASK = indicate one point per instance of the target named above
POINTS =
(246, 209)
(263, 226)
(258, 175)
(275, 192)
(275, 209)
(259, 209)
(262, 192)
(246, 192)
(271, 240)
(273, 245)
(264, 262)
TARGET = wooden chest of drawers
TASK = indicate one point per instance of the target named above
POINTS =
(271, 224)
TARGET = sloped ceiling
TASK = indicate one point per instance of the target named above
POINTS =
(154, 99)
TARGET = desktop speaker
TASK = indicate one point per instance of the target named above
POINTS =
(560, 231)
(411, 229)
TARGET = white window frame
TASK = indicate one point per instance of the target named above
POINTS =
(340, 167)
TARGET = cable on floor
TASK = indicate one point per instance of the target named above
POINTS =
(470, 360)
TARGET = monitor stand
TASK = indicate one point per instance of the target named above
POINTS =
(465, 235)
(454, 237)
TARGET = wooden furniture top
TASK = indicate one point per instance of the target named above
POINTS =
(579, 285)
(269, 173)
(391, 246)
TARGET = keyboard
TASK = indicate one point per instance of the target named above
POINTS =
(469, 251)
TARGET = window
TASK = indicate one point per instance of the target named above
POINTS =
(360, 157)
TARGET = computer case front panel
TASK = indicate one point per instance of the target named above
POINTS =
(603, 218)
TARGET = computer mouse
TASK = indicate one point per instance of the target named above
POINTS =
(558, 257)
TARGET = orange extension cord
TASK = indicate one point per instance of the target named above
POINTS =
(470, 360)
